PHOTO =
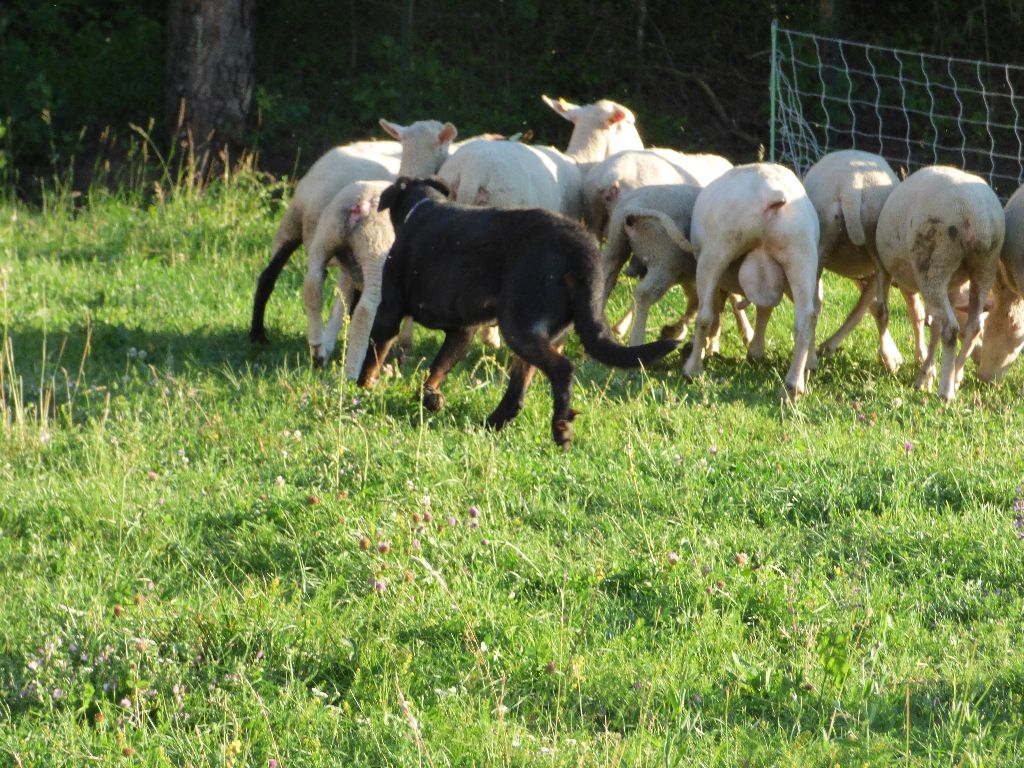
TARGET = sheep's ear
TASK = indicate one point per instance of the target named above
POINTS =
(393, 129)
(562, 107)
(447, 133)
(617, 117)
(439, 185)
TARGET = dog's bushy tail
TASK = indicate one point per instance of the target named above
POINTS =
(597, 337)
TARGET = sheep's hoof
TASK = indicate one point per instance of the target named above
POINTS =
(828, 349)
(672, 333)
(790, 392)
(692, 372)
(892, 361)
(433, 400)
(318, 360)
(490, 337)
(755, 356)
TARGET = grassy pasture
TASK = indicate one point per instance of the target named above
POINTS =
(706, 578)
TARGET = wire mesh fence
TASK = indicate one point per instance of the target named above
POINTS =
(913, 108)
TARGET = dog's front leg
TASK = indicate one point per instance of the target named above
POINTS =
(456, 341)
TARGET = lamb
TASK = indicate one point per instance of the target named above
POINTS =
(848, 189)
(632, 169)
(514, 175)
(420, 150)
(759, 213)
(938, 229)
(1003, 335)
(354, 235)
(651, 222)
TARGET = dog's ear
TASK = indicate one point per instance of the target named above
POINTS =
(390, 195)
(440, 185)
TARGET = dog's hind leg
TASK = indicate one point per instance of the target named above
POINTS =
(456, 341)
(540, 351)
(519, 377)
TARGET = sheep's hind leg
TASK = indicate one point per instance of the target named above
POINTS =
(313, 298)
(456, 341)
(917, 316)
(404, 345)
(346, 297)
(880, 309)
(677, 330)
(650, 289)
(361, 326)
(756, 348)
(710, 267)
(835, 341)
(804, 288)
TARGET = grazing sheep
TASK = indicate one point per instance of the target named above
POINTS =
(938, 229)
(1003, 336)
(632, 169)
(651, 222)
(848, 189)
(454, 267)
(758, 213)
(421, 149)
(515, 175)
(354, 235)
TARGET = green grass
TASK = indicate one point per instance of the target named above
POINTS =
(229, 619)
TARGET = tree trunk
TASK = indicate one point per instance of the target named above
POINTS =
(210, 68)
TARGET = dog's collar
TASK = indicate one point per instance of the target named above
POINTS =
(412, 210)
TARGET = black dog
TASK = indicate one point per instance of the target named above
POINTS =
(454, 267)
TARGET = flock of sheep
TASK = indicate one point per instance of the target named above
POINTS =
(744, 235)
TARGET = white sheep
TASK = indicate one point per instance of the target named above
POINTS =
(940, 228)
(1003, 335)
(652, 223)
(605, 181)
(515, 175)
(759, 214)
(420, 150)
(355, 236)
(848, 189)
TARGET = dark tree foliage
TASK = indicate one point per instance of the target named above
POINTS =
(696, 73)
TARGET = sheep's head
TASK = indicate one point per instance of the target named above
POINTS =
(425, 145)
(600, 129)
(1003, 336)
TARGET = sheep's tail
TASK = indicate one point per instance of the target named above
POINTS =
(774, 199)
(285, 243)
(668, 224)
(593, 330)
(850, 201)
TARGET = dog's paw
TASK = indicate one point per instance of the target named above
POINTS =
(433, 400)
(561, 430)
